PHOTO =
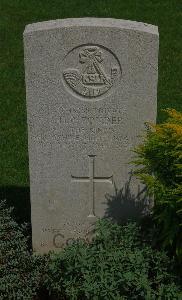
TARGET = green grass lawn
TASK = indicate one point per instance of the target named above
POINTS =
(15, 14)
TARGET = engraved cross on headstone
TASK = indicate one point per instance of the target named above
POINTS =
(92, 180)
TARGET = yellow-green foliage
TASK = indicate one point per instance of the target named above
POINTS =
(159, 166)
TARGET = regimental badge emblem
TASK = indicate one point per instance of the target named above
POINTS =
(95, 71)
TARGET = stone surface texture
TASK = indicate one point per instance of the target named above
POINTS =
(91, 84)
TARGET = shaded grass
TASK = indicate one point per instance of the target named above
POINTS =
(15, 14)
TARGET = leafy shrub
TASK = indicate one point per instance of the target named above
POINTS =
(116, 265)
(20, 271)
(159, 161)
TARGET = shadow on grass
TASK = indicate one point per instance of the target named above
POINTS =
(122, 206)
(19, 198)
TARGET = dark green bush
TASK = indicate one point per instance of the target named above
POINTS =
(159, 161)
(116, 265)
(20, 271)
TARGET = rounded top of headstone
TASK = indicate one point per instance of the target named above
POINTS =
(92, 22)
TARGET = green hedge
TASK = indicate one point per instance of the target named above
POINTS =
(20, 271)
(159, 161)
(118, 264)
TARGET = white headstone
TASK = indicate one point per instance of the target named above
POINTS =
(90, 85)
